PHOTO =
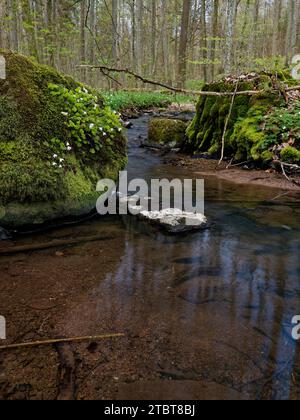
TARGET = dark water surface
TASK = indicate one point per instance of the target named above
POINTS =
(206, 315)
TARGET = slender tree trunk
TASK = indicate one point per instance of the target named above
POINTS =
(182, 65)
(204, 40)
(230, 31)
(215, 33)
(153, 35)
(83, 55)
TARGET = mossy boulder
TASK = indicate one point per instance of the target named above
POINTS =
(168, 132)
(244, 138)
(49, 166)
(290, 155)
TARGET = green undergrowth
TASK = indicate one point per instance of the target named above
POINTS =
(122, 101)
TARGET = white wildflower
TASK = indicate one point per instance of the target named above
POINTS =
(54, 163)
(65, 114)
(54, 156)
(92, 126)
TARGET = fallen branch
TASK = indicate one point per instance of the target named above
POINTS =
(291, 89)
(293, 166)
(104, 70)
(282, 164)
(60, 341)
(231, 165)
(47, 245)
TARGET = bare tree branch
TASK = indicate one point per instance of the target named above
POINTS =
(105, 69)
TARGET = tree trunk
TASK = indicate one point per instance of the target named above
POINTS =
(182, 65)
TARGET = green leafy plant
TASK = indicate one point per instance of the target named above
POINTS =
(124, 101)
(90, 124)
(283, 125)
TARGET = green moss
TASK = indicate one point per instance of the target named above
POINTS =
(267, 156)
(167, 131)
(290, 155)
(244, 138)
(33, 190)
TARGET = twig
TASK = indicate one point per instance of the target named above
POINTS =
(292, 88)
(48, 245)
(282, 164)
(238, 164)
(168, 87)
(60, 341)
(280, 195)
(230, 163)
(226, 124)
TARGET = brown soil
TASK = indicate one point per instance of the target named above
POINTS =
(234, 174)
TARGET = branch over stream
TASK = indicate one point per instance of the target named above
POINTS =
(106, 70)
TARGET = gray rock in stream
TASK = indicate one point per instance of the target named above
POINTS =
(173, 221)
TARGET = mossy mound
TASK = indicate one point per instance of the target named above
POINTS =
(45, 171)
(290, 155)
(167, 132)
(244, 138)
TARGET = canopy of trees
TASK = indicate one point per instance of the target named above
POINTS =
(180, 42)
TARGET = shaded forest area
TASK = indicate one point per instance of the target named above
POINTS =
(179, 42)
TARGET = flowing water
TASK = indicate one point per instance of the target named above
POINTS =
(207, 315)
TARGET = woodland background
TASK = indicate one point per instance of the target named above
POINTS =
(180, 42)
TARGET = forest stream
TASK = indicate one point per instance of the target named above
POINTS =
(206, 315)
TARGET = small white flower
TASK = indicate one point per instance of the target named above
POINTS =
(67, 144)
(61, 160)
(60, 166)
(100, 128)
(85, 90)
(92, 126)
(112, 130)
(84, 112)
(119, 130)
(54, 163)
(69, 148)
(65, 114)
(54, 156)
(104, 134)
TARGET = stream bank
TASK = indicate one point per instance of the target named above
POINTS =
(240, 174)
(217, 307)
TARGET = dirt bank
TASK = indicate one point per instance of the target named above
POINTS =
(237, 175)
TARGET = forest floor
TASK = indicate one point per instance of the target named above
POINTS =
(238, 175)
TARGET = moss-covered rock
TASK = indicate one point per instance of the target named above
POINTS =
(244, 138)
(290, 155)
(49, 166)
(166, 131)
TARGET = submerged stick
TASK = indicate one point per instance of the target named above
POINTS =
(60, 341)
(47, 245)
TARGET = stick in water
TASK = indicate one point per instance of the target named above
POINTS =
(60, 341)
